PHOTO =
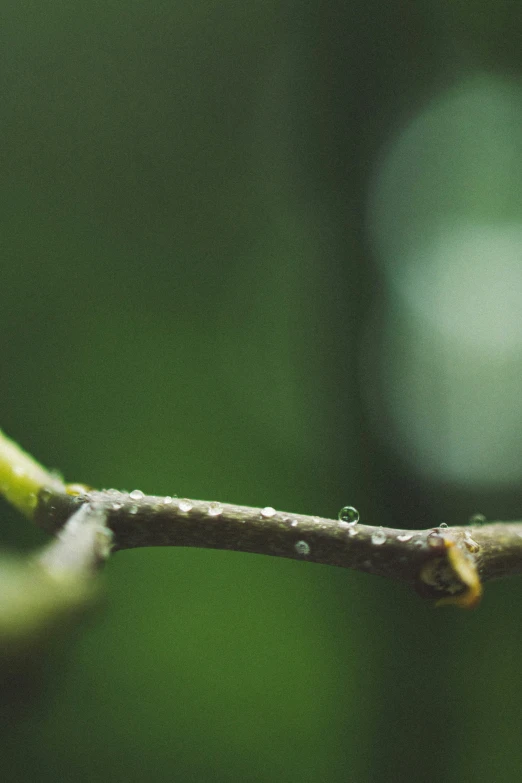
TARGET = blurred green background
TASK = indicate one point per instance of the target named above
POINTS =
(267, 253)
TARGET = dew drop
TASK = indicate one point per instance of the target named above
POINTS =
(185, 506)
(136, 494)
(133, 509)
(352, 530)
(348, 514)
(477, 519)
(294, 523)
(302, 548)
(443, 525)
(116, 506)
(18, 470)
(378, 537)
(405, 537)
(215, 509)
(167, 500)
(268, 512)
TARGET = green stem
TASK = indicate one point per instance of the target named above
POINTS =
(22, 478)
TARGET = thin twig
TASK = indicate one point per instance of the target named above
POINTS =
(441, 563)
(448, 564)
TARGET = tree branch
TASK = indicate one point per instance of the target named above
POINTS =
(446, 564)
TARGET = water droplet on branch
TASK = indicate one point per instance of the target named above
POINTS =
(348, 514)
(378, 537)
(302, 548)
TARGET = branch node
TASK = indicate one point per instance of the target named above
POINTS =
(454, 573)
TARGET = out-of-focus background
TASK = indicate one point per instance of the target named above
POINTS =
(267, 253)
